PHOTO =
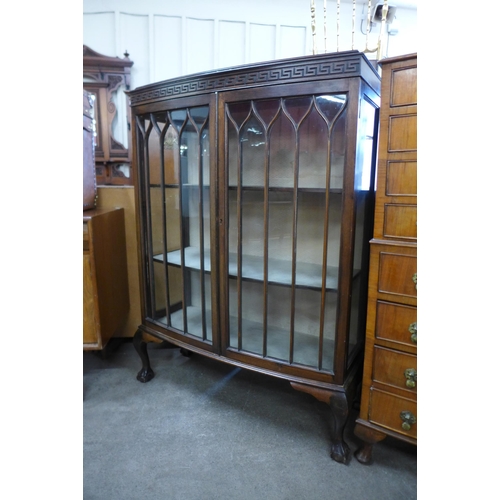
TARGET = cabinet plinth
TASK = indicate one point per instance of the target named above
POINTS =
(255, 206)
(389, 388)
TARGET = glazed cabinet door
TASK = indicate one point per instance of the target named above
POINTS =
(176, 178)
(286, 169)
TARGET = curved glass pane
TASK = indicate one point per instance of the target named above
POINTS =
(313, 148)
(178, 164)
(285, 161)
(253, 143)
(363, 180)
(282, 152)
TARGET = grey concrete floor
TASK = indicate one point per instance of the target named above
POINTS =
(204, 430)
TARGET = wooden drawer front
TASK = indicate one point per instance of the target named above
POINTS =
(402, 133)
(404, 87)
(90, 321)
(385, 410)
(400, 221)
(394, 322)
(85, 236)
(389, 368)
(396, 274)
(401, 178)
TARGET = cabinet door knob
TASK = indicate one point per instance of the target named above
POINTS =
(414, 278)
(413, 330)
(408, 419)
(411, 377)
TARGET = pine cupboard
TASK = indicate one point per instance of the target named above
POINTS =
(105, 278)
(255, 202)
(389, 390)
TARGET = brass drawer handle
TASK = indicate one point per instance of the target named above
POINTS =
(411, 377)
(408, 420)
(413, 330)
(414, 278)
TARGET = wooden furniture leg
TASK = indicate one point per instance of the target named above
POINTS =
(340, 409)
(369, 438)
(145, 374)
(338, 403)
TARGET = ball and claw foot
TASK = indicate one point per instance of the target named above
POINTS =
(341, 453)
(145, 375)
(339, 406)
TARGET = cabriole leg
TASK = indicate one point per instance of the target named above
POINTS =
(145, 374)
(340, 409)
(340, 451)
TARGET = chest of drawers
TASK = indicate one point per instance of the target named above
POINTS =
(389, 390)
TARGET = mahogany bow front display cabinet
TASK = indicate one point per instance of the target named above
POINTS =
(255, 200)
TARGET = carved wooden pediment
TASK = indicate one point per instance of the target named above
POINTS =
(92, 59)
(106, 68)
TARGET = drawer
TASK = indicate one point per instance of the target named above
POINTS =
(400, 221)
(396, 369)
(396, 323)
(90, 313)
(397, 274)
(386, 410)
(85, 236)
(402, 133)
(403, 86)
(401, 178)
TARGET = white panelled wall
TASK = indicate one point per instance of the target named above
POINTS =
(169, 38)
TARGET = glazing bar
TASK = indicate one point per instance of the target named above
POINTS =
(239, 214)
(267, 155)
(149, 233)
(164, 221)
(294, 238)
(182, 173)
(202, 239)
(325, 251)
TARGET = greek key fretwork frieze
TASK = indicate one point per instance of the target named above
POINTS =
(259, 76)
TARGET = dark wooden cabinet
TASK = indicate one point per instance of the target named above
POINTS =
(89, 179)
(255, 201)
(103, 78)
(389, 394)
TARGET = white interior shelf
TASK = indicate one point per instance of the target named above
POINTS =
(278, 339)
(279, 271)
